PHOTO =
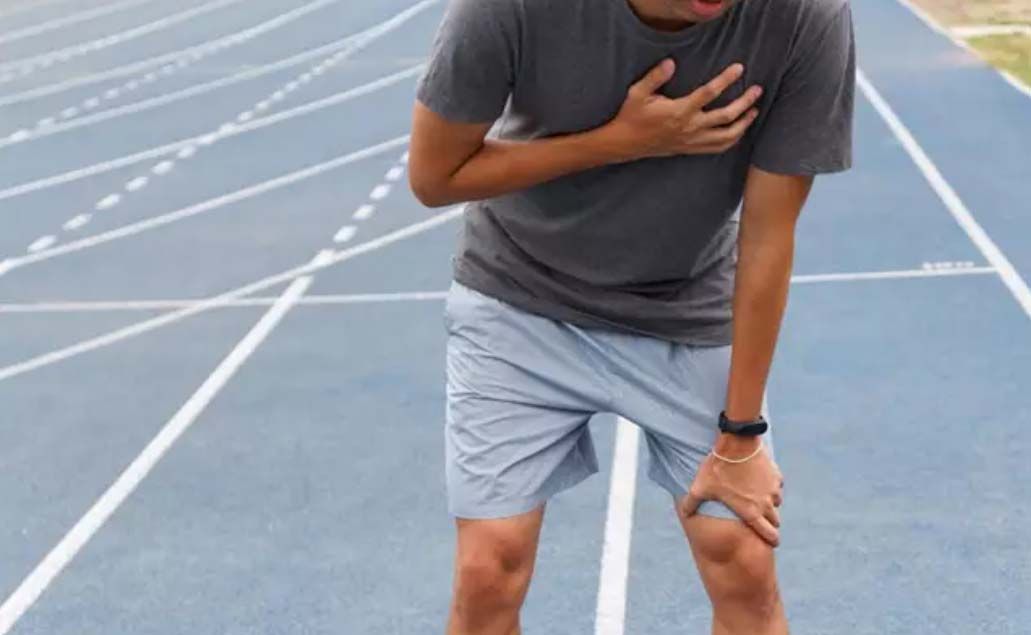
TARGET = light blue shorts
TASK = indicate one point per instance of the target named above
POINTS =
(521, 389)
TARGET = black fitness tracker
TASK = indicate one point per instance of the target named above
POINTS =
(743, 428)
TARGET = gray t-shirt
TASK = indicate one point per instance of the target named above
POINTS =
(646, 246)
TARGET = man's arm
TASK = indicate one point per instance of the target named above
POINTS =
(452, 162)
(766, 245)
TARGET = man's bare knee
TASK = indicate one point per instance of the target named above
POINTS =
(492, 573)
(737, 567)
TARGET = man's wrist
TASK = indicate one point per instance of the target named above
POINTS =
(611, 142)
(732, 445)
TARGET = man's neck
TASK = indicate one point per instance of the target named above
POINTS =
(657, 14)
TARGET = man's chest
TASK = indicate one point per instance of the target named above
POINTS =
(579, 82)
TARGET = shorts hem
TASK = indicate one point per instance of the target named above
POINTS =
(517, 506)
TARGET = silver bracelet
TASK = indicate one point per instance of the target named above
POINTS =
(738, 461)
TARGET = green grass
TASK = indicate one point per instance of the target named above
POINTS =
(1009, 52)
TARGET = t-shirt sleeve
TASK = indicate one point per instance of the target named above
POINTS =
(473, 63)
(809, 127)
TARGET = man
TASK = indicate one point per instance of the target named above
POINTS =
(602, 268)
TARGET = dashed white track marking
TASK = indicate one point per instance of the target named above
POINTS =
(1009, 274)
(380, 192)
(395, 173)
(146, 326)
(206, 206)
(610, 615)
(136, 184)
(349, 45)
(345, 234)
(108, 202)
(58, 558)
(207, 139)
(118, 38)
(364, 212)
(39, 244)
(76, 222)
(163, 168)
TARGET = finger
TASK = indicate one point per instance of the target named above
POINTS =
(728, 135)
(771, 514)
(761, 526)
(708, 93)
(655, 78)
(690, 504)
(730, 113)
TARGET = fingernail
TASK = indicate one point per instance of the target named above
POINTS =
(739, 68)
(757, 91)
(668, 65)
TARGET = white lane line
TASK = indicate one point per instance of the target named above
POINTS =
(324, 257)
(207, 139)
(145, 326)
(163, 168)
(108, 202)
(1010, 277)
(395, 173)
(345, 234)
(892, 275)
(130, 34)
(610, 615)
(206, 206)
(245, 116)
(364, 212)
(46, 121)
(136, 184)
(380, 192)
(351, 45)
(187, 152)
(68, 20)
(33, 586)
(37, 245)
(20, 135)
(76, 222)
(932, 24)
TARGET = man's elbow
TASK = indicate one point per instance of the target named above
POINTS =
(429, 191)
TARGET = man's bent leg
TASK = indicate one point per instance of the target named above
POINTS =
(737, 568)
(493, 566)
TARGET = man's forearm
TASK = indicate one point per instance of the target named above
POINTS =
(502, 166)
(766, 245)
(760, 295)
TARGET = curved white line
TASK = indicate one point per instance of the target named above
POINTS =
(352, 44)
(152, 153)
(108, 41)
(211, 204)
(74, 18)
(129, 69)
